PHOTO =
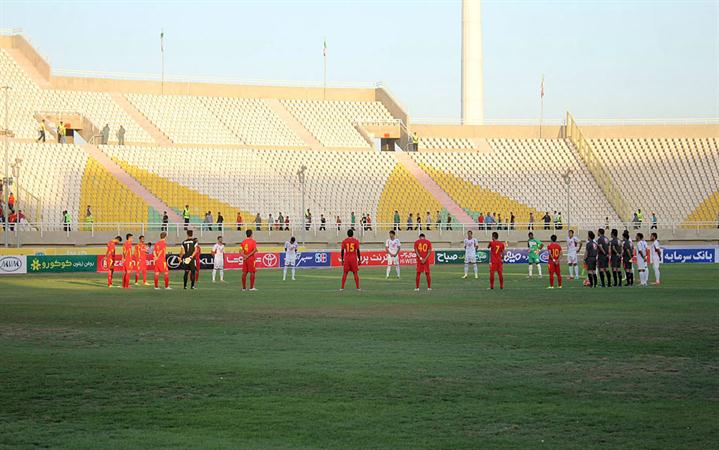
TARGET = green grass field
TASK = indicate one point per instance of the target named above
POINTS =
(299, 364)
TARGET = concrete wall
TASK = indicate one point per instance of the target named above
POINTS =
(20, 43)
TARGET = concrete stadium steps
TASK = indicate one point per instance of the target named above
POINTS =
(477, 199)
(157, 135)
(404, 193)
(110, 200)
(707, 211)
(176, 196)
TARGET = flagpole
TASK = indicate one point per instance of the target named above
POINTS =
(541, 107)
(162, 57)
(324, 83)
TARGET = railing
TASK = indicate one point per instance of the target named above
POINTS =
(329, 229)
(585, 122)
(596, 168)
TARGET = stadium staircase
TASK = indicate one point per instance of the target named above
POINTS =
(433, 188)
(159, 137)
(294, 125)
(597, 169)
(131, 183)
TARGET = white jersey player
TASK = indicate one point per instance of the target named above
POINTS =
(392, 246)
(218, 259)
(574, 246)
(290, 257)
(642, 259)
(655, 256)
(470, 254)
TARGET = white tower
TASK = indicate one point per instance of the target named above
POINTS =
(472, 73)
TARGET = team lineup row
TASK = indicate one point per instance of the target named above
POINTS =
(602, 255)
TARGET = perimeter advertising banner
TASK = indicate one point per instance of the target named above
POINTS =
(61, 263)
(310, 259)
(682, 255)
(232, 261)
(379, 258)
(457, 256)
(13, 264)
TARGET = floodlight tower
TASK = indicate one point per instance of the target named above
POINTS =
(472, 73)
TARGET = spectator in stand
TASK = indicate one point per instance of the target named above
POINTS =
(165, 221)
(438, 222)
(280, 222)
(717, 220)
(105, 134)
(352, 221)
(415, 142)
(363, 222)
(61, 133)
(323, 223)
(418, 226)
(640, 217)
(220, 222)
(606, 223)
(258, 222)
(89, 219)
(2, 215)
(635, 221)
(369, 222)
(480, 221)
(12, 220)
(11, 202)
(308, 220)
(270, 223)
(339, 223)
(530, 226)
(41, 131)
(208, 221)
(410, 222)
(489, 221)
(547, 219)
(558, 221)
(238, 221)
(511, 220)
(396, 220)
(121, 136)
(287, 223)
(654, 221)
(186, 216)
(554, 219)
(66, 221)
(428, 221)
(499, 221)
(449, 222)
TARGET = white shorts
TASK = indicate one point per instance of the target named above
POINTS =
(641, 263)
(290, 261)
(392, 260)
(219, 263)
(571, 258)
(470, 259)
(656, 263)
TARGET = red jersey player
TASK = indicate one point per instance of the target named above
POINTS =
(128, 261)
(198, 262)
(110, 259)
(160, 260)
(496, 256)
(141, 260)
(555, 251)
(249, 256)
(350, 257)
(423, 249)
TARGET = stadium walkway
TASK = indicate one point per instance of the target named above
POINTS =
(437, 192)
(131, 183)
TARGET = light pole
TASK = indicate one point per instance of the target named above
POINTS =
(567, 176)
(6, 175)
(16, 176)
(301, 176)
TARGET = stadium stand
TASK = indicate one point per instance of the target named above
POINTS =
(395, 198)
(332, 122)
(444, 143)
(646, 170)
(525, 171)
(252, 121)
(184, 119)
(53, 173)
(256, 180)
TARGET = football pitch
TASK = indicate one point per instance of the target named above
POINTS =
(299, 364)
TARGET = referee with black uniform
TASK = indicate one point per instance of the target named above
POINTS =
(189, 248)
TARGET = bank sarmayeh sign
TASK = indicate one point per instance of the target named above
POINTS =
(13, 264)
(684, 255)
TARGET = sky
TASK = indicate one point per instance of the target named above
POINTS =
(615, 60)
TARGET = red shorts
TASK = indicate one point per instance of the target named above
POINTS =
(161, 267)
(351, 266)
(554, 267)
(495, 266)
(423, 267)
(249, 266)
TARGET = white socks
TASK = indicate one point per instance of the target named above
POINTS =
(656, 273)
(389, 269)
(284, 273)
(539, 269)
(530, 270)
(222, 275)
(466, 269)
